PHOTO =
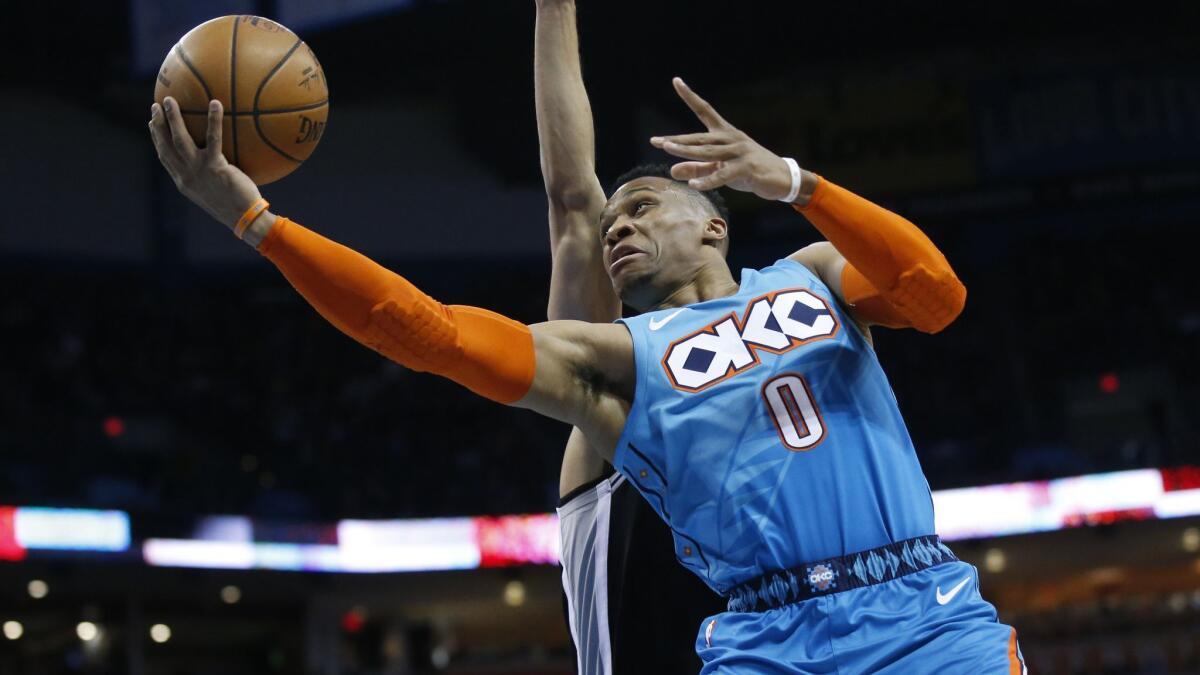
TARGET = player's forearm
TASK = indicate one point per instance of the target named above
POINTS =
(579, 287)
(891, 255)
(564, 115)
(383, 311)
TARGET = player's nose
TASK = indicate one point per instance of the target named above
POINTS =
(620, 230)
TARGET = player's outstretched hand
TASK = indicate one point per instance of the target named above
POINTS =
(202, 174)
(724, 155)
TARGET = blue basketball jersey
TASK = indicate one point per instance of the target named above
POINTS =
(765, 433)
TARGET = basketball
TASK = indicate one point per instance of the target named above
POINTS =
(273, 90)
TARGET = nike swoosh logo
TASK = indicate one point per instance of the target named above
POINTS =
(943, 599)
(656, 324)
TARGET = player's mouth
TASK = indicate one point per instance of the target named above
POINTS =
(622, 255)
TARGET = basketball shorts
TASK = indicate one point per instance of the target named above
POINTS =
(930, 621)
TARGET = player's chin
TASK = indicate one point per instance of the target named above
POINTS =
(632, 287)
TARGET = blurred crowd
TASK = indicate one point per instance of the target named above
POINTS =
(1118, 635)
(221, 391)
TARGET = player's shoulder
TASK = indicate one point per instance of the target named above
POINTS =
(784, 273)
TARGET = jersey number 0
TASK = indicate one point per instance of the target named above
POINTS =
(794, 412)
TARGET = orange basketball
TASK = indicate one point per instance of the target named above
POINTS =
(270, 83)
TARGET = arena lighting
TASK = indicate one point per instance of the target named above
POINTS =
(440, 656)
(994, 560)
(354, 620)
(87, 631)
(1191, 539)
(1110, 383)
(469, 543)
(371, 546)
(71, 529)
(10, 548)
(408, 545)
(160, 633)
(13, 630)
(514, 593)
(230, 595)
(38, 589)
(113, 426)
(1042, 506)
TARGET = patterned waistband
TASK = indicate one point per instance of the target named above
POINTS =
(825, 577)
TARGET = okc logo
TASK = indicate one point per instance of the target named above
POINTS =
(820, 578)
(777, 323)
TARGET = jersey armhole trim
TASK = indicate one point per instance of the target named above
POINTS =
(586, 487)
(639, 390)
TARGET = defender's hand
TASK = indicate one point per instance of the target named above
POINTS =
(203, 175)
(724, 155)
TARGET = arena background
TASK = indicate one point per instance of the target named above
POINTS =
(202, 476)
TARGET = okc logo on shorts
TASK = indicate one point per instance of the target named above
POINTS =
(821, 578)
(776, 323)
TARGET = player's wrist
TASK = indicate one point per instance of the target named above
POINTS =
(259, 228)
(777, 181)
(808, 187)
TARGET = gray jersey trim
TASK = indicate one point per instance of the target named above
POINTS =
(583, 525)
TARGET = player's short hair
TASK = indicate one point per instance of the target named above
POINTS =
(713, 198)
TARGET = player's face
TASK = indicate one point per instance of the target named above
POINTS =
(653, 236)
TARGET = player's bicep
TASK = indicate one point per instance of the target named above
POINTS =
(583, 376)
(824, 260)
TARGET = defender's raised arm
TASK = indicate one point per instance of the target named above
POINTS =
(579, 285)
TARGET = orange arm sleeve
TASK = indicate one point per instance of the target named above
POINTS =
(894, 274)
(868, 303)
(481, 350)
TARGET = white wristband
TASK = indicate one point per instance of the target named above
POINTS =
(794, 168)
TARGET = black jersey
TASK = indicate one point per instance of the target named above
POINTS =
(632, 608)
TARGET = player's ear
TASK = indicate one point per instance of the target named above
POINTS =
(716, 230)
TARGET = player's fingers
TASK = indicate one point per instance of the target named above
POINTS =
(707, 114)
(690, 170)
(703, 138)
(180, 138)
(212, 140)
(715, 179)
(162, 141)
(702, 152)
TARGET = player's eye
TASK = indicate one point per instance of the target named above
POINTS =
(640, 207)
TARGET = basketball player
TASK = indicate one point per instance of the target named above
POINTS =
(630, 607)
(753, 416)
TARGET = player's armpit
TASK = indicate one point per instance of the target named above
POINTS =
(892, 255)
(484, 351)
(585, 376)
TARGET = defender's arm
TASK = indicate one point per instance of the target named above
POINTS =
(579, 285)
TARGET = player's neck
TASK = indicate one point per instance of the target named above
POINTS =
(709, 282)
